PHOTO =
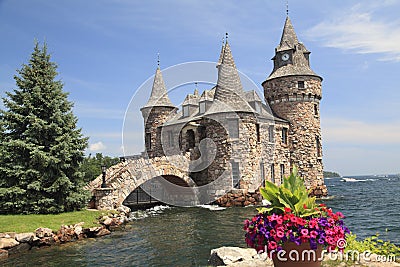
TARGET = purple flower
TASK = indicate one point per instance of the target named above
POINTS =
(313, 244)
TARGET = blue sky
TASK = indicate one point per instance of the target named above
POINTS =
(105, 50)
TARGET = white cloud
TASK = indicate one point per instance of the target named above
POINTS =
(361, 30)
(97, 146)
(343, 131)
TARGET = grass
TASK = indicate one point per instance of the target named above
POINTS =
(29, 223)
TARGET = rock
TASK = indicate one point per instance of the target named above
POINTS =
(24, 237)
(8, 242)
(43, 232)
(3, 253)
(234, 256)
(47, 241)
(19, 248)
(95, 229)
(78, 230)
(124, 209)
(103, 232)
(10, 234)
(108, 221)
(35, 241)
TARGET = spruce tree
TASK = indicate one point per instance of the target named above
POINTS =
(41, 147)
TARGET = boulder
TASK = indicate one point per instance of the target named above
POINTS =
(124, 209)
(3, 253)
(47, 241)
(78, 230)
(8, 243)
(24, 237)
(43, 232)
(234, 256)
(107, 221)
(103, 232)
(10, 234)
(19, 248)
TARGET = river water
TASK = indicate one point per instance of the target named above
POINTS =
(172, 236)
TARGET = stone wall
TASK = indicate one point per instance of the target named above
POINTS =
(300, 106)
(240, 198)
(154, 118)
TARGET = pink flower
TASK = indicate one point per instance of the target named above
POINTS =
(304, 232)
(313, 234)
(272, 245)
(280, 234)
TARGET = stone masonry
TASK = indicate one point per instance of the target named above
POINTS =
(231, 138)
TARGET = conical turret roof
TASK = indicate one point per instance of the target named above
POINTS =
(299, 63)
(159, 96)
(289, 37)
(229, 88)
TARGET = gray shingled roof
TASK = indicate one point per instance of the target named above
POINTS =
(159, 96)
(208, 94)
(192, 99)
(252, 96)
(229, 88)
(289, 37)
(299, 64)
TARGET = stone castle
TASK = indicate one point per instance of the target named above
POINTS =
(232, 133)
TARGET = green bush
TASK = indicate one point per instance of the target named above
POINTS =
(372, 244)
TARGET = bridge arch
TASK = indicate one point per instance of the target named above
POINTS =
(123, 178)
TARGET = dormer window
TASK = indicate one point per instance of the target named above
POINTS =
(202, 107)
(185, 111)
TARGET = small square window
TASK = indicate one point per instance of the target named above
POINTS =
(300, 85)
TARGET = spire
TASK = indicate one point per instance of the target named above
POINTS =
(291, 56)
(229, 88)
(221, 55)
(159, 96)
(289, 37)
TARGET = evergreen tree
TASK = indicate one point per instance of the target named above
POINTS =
(40, 147)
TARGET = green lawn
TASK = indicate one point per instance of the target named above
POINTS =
(29, 223)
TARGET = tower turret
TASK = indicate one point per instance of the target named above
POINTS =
(293, 91)
(155, 113)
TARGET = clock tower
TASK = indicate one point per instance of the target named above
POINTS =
(293, 91)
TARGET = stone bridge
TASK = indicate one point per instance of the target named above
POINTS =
(169, 172)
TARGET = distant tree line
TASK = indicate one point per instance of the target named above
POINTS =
(328, 174)
(91, 166)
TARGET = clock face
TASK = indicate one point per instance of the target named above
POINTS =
(285, 57)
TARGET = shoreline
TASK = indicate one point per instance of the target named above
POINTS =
(12, 243)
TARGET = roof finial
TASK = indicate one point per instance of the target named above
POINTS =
(158, 59)
(287, 7)
(196, 91)
(226, 37)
